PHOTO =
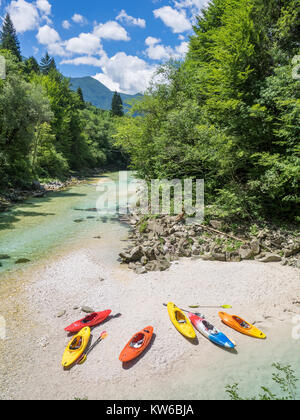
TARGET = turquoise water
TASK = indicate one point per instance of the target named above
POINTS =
(39, 227)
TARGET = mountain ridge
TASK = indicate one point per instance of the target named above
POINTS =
(97, 93)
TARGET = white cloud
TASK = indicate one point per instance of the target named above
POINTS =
(131, 73)
(103, 78)
(111, 30)
(79, 19)
(123, 17)
(66, 24)
(157, 51)
(44, 6)
(194, 5)
(47, 35)
(152, 41)
(175, 19)
(84, 60)
(57, 49)
(24, 16)
(85, 43)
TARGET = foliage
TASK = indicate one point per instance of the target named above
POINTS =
(46, 129)
(228, 114)
(117, 105)
(8, 38)
(284, 378)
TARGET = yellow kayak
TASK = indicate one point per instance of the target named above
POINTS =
(180, 321)
(76, 347)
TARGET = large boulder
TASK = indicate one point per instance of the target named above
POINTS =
(267, 257)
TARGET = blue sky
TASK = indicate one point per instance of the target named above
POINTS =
(120, 43)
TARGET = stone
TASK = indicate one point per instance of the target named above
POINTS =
(207, 257)
(219, 257)
(140, 270)
(216, 224)
(290, 252)
(233, 257)
(144, 260)
(61, 314)
(22, 261)
(245, 252)
(269, 257)
(87, 309)
(255, 246)
(136, 254)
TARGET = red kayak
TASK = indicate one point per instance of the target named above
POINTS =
(89, 321)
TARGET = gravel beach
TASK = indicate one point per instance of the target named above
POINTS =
(38, 302)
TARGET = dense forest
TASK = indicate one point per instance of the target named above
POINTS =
(47, 130)
(228, 114)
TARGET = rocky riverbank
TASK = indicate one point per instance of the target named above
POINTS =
(154, 243)
(37, 190)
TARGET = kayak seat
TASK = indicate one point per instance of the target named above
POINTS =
(138, 341)
(89, 318)
(76, 344)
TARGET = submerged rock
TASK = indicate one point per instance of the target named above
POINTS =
(4, 257)
(22, 261)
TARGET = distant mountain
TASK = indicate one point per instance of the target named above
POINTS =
(96, 93)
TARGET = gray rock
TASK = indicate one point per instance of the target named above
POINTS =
(269, 257)
(22, 261)
(219, 257)
(144, 260)
(159, 265)
(61, 314)
(245, 252)
(87, 309)
(207, 257)
(140, 270)
(136, 254)
(293, 251)
(216, 224)
(255, 246)
(233, 257)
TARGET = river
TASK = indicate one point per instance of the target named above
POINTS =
(40, 227)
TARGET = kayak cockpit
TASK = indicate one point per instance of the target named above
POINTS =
(242, 323)
(89, 318)
(137, 341)
(180, 318)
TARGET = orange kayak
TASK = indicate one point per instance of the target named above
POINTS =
(241, 325)
(137, 345)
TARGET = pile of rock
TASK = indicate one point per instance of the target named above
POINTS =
(58, 185)
(157, 242)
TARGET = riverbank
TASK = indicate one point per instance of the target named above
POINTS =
(74, 255)
(40, 189)
(156, 241)
(175, 369)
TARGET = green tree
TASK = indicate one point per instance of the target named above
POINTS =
(31, 66)
(8, 38)
(47, 64)
(117, 105)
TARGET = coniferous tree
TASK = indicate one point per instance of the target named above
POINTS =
(8, 38)
(31, 65)
(80, 94)
(47, 64)
(117, 105)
